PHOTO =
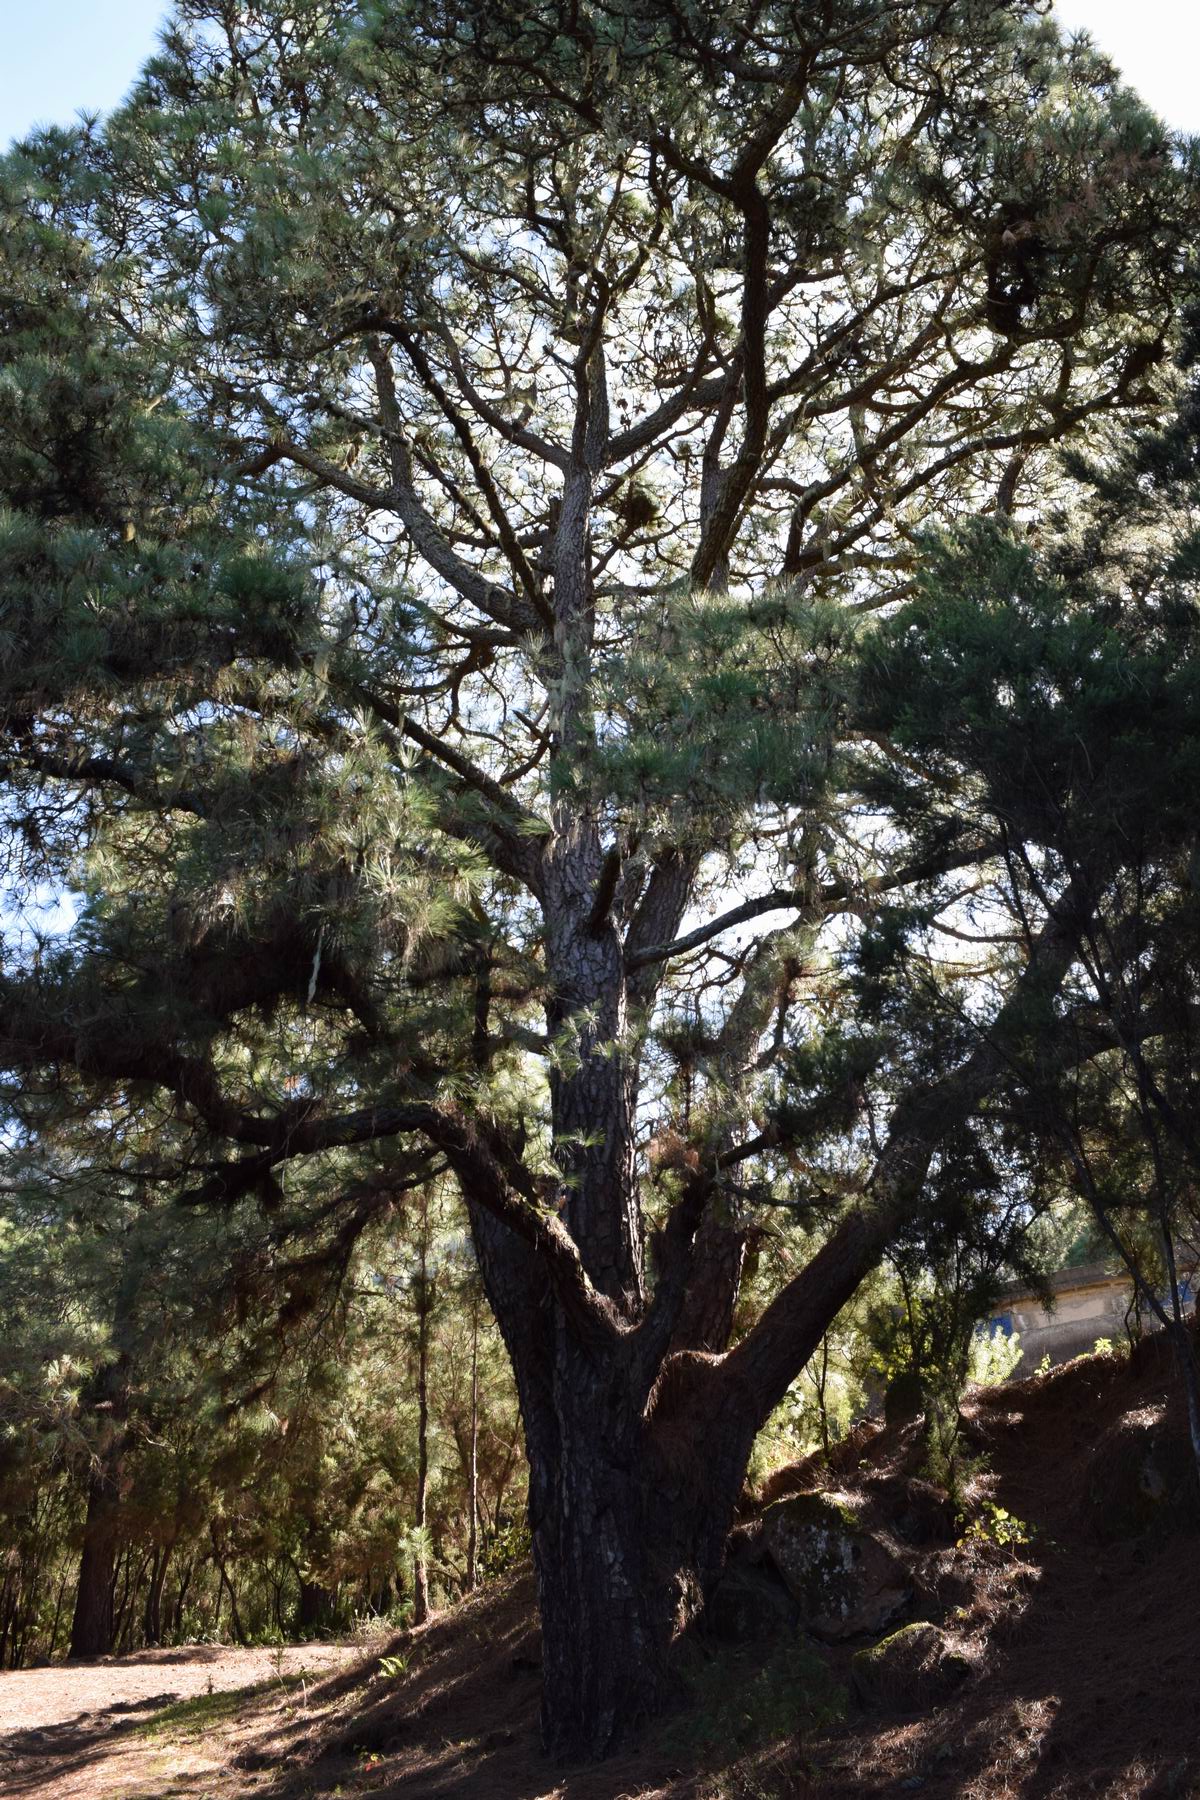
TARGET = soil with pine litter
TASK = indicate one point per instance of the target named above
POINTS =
(1088, 1633)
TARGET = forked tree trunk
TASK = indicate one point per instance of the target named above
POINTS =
(633, 1486)
(638, 1420)
(152, 1628)
(225, 1585)
(630, 1519)
(628, 1526)
(632, 1491)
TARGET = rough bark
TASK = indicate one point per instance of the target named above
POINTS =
(638, 1420)
(108, 1396)
(606, 1611)
(706, 1317)
(92, 1624)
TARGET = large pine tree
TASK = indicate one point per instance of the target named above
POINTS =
(459, 767)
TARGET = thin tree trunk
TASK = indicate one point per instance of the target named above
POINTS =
(473, 1461)
(224, 1582)
(152, 1619)
(58, 1607)
(123, 1609)
(822, 1382)
(185, 1582)
(8, 1605)
(420, 1566)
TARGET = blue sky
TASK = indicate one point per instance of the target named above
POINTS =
(1155, 42)
(63, 55)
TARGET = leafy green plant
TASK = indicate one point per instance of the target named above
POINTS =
(995, 1526)
(504, 1549)
(994, 1356)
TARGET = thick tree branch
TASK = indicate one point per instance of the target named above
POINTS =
(830, 898)
(761, 1368)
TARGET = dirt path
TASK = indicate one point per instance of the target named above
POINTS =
(140, 1728)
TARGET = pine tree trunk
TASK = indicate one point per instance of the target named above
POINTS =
(93, 1622)
(606, 1624)
(638, 1421)
(420, 1567)
(473, 1460)
(631, 1494)
(58, 1606)
(185, 1582)
(629, 1531)
(125, 1609)
(224, 1584)
(92, 1625)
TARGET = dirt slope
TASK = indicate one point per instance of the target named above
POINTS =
(1090, 1676)
(1083, 1630)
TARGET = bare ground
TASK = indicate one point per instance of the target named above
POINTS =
(121, 1727)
